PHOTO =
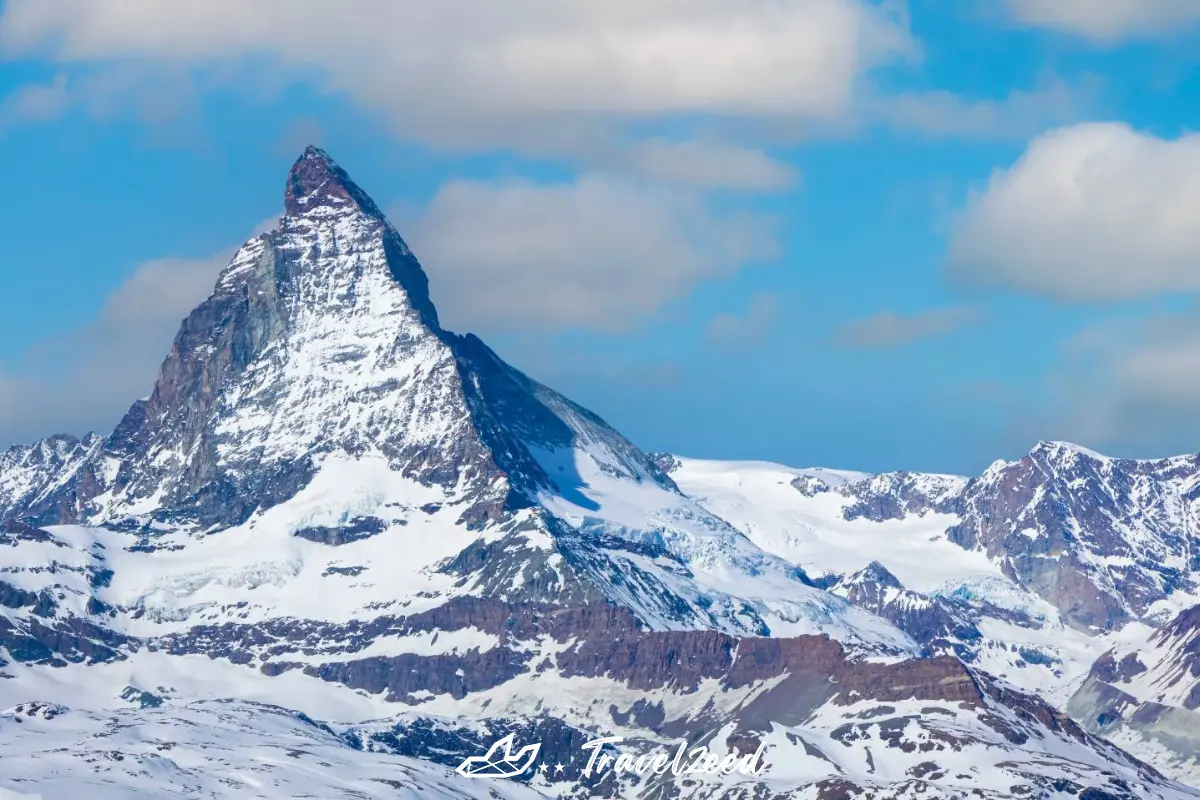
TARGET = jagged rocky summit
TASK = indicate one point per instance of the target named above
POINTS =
(335, 529)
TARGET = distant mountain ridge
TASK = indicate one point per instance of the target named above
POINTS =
(1102, 539)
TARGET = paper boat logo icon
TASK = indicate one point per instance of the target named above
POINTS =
(500, 760)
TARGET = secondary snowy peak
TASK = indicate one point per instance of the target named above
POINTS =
(1102, 539)
(44, 479)
(939, 623)
(873, 576)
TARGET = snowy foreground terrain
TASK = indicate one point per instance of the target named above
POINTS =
(338, 550)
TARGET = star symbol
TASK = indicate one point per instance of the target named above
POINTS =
(558, 767)
(542, 768)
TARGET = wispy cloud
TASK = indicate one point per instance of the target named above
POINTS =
(1126, 385)
(1108, 21)
(36, 102)
(1020, 114)
(890, 329)
(737, 331)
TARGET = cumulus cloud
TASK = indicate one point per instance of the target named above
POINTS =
(594, 253)
(890, 329)
(1090, 212)
(468, 71)
(1108, 20)
(85, 379)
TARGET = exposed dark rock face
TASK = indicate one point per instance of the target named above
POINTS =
(666, 462)
(13, 532)
(143, 699)
(355, 530)
(1054, 518)
(939, 623)
(896, 495)
(403, 676)
(57, 642)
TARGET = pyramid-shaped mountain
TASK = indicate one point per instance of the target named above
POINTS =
(320, 339)
(318, 368)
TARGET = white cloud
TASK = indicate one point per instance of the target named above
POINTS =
(85, 379)
(1108, 20)
(466, 72)
(595, 253)
(1090, 212)
(890, 329)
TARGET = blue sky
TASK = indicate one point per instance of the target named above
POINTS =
(870, 235)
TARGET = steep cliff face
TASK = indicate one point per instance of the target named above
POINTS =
(942, 624)
(1102, 539)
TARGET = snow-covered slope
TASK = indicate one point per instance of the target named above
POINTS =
(883, 542)
(1145, 694)
(807, 516)
(1005, 569)
(210, 749)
